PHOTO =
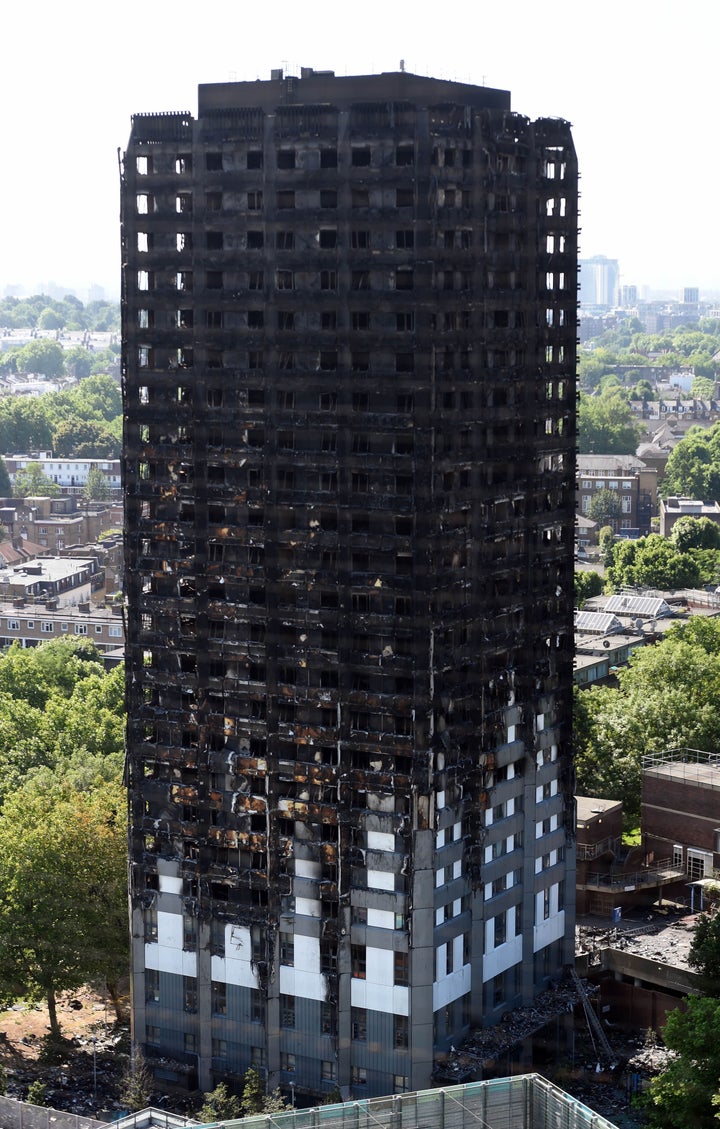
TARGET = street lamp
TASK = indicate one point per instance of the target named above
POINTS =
(94, 1043)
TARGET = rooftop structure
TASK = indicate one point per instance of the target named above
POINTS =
(349, 379)
(673, 508)
(63, 581)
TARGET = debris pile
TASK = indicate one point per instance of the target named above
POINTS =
(488, 1043)
(652, 937)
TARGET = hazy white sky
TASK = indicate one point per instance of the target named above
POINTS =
(637, 78)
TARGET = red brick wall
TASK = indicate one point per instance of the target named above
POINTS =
(675, 815)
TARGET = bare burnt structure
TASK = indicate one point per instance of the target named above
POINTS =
(349, 356)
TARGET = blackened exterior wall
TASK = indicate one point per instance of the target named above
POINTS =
(349, 365)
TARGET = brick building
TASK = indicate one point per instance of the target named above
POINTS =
(681, 811)
(635, 483)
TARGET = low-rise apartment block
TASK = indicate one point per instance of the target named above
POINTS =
(31, 623)
(635, 483)
(70, 475)
(58, 582)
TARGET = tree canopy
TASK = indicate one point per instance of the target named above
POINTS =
(32, 482)
(605, 506)
(695, 533)
(84, 422)
(606, 425)
(587, 584)
(665, 698)
(693, 468)
(687, 1094)
(62, 907)
(623, 351)
(704, 955)
(652, 562)
(43, 312)
(97, 487)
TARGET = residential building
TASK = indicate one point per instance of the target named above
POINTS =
(672, 509)
(70, 475)
(635, 483)
(349, 377)
(599, 847)
(29, 622)
(680, 814)
(58, 523)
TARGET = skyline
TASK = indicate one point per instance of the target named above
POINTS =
(632, 80)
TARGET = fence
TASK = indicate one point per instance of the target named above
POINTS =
(525, 1102)
(23, 1115)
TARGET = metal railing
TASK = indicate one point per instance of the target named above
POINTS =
(592, 850)
(525, 1102)
(686, 764)
(662, 871)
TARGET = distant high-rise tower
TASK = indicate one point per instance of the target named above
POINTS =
(599, 281)
(349, 314)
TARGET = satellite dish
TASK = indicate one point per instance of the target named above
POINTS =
(606, 642)
(639, 624)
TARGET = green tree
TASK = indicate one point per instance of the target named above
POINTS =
(61, 715)
(651, 562)
(50, 319)
(62, 906)
(253, 1095)
(37, 1093)
(32, 482)
(704, 955)
(5, 484)
(85, 439)
(78, 362)
(693, 468)
(687, 1093)
(643, 390)
(96, 488)
(606, 543)
(703, 388)
(606, 425)
(41, 356)
(665, 698)
(136, 1083)
(587, 584)
(591, 370)
(605, 507)
(695, 533)
(219, 1105)
(275, 1103)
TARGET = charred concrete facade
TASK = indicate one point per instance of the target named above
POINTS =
(349, 357)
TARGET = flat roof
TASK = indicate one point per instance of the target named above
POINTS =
(47, 568)
(324, 88)
(690, 772)
(592, 807)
